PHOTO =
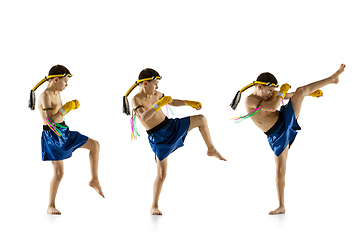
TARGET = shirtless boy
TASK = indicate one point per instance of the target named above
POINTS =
(58, 142)
(165, 135)
(281, 126)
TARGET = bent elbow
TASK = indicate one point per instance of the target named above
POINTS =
(143, 117)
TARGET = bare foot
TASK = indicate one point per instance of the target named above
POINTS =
(96, 185)
(53, 210)
(337, 73)
(155, 211)
(215, 153)
(280, 210)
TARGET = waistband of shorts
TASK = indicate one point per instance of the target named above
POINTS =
(46, 127)
(158, 127)
(276, 125)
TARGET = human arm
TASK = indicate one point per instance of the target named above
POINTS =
(287, 95)
(177, 103)
(140, 111)
(269, 105)
(318, 93)
(47, 108)
(145, 115)
(56, 114)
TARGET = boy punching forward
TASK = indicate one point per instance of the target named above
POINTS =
(57, 141)
(281, 126)
(165, 135)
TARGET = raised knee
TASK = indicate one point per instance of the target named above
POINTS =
(96, 145)
(202, 118)
(301, 90)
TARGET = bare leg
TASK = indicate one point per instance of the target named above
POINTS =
(200, 122)
(54, 186)
(94, 148)
(280, 180)
(160, 178)
(301, 92)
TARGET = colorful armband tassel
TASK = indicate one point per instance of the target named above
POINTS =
(240, 119)
(53, 125)
(167, 111)
(134, 130)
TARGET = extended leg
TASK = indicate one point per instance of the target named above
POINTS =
(54, 186)
(280, 180)
(159, 181)
(200, 122)
(94, 148)
(301, 92)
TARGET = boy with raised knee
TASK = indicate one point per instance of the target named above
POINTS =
(165, 135)
(57, 141)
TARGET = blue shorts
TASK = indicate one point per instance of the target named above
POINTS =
(168, 136)
(283, 132)
(55, 148)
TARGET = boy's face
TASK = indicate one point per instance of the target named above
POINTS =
(151, 86)
(61, 83)
(266, 91)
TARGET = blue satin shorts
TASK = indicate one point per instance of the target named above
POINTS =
(168, 136)
(284, 131)
(55, 148)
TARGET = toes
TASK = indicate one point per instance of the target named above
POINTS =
(156, 212)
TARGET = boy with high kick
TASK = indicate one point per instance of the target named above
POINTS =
(165, 135)
(57, 141)
(280, 126)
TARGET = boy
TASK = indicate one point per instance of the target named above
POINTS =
(57, 141)
(280, 127)
(165, 135)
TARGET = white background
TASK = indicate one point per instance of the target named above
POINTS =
(205, 51)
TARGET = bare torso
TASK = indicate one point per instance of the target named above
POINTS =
(147, 102)
(56, 103)
(263, 119)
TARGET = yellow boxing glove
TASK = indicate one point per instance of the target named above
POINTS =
(74, 104)
(193, 104)
(162, 102)
(317, 93)
(283, 90)
(77, 104)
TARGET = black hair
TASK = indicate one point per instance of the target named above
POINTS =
(267, 77)
(55, 70)
(58, 69)
(148, 73)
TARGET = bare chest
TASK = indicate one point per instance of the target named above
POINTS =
(56, 103)
(265, 120)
